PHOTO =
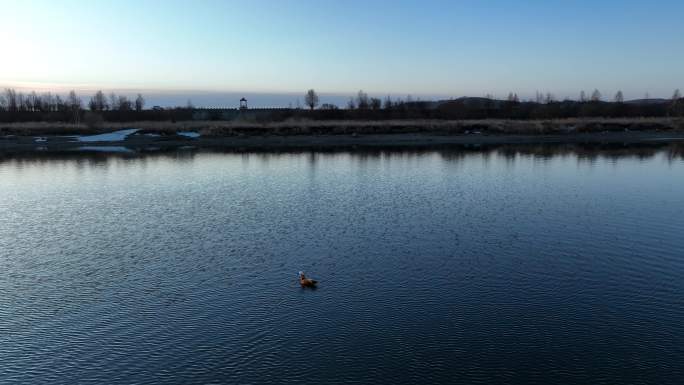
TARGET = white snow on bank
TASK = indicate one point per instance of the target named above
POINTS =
(120, 149)
(116, 136)
(189, 134)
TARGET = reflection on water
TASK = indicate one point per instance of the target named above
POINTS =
(510, 152)
(500, 264)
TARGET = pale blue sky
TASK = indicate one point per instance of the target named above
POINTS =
(424, 48)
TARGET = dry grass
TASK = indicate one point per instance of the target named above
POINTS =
(304, 127)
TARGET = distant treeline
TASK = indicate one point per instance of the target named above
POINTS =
(19, 107)
(543, 107)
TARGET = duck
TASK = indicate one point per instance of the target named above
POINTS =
(306, 282)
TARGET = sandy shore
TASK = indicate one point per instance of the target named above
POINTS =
(146, 143)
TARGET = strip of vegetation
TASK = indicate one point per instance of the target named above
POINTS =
(352, 127)
(50, 113)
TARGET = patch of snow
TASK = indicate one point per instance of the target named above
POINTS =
(152, 135)
(120, 149)
(116, 136)
(40, 139)
(189, 134)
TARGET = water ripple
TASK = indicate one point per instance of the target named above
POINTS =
(434, 268)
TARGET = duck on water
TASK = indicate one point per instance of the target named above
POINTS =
(306, 282)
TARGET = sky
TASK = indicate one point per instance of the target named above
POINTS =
(274, 50)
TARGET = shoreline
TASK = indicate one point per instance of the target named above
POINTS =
(147, 143)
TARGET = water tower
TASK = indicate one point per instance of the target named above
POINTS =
(243, 104)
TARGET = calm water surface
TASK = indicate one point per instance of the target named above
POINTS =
(535, 265)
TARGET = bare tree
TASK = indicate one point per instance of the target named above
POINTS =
(351, 105)
(52, 102)
(3, 103)
(677, 106)
(388, 103)
(113, 102)
(596, 96)
(32, 101)
(362, 100)
(98, 102)
(37, 101)
(549, 98)
(538, 97)
(21, 100)
(74, 101)
(375, 103)
(74, 105)
(47, 102)
(124, 103)
(139, 103)
(619, 98)
(59, 104)
(583, 97)
(11, 96)
(311, 99)
(398, 103)
(28, 102)
(40, 103)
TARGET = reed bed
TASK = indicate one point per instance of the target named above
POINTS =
(360, 127)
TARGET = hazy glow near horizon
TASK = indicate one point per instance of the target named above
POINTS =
(449, 48)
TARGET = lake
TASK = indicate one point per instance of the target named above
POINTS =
(532, 264)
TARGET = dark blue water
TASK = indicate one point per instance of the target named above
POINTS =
(533, 265)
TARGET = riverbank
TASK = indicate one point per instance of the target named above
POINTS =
(139, 141)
